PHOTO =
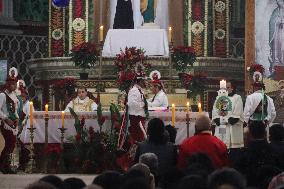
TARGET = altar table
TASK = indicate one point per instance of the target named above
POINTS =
(153, 41)
(91, 121)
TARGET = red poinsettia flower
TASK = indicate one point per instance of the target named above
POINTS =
(82, 121)
(78, 137)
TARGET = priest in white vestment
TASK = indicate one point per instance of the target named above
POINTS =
(82, 103)
(259, 106)
(234, 127)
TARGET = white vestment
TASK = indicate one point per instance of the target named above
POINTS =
(78, 105)
(136, 102)
(161, 19)
(159, 100)
(252, 101)
(233, 135)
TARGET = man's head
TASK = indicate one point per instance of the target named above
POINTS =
(151, 160)
(276, 133)
(11, 84)
(156, 87)
(82, 93)
(280, 3)
(202, 123)
(141, 82)
(231, 87)
(24, 95)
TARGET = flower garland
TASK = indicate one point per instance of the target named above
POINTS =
(128, 63)
(183, 58)
(194, 83)
(255, 68)
(56, 31)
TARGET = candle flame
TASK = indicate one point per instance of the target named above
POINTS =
(199, 105)
(170, 28)
(187, 103)
(173, 105)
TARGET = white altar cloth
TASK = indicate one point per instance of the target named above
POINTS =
(153, 41)
(91, 121)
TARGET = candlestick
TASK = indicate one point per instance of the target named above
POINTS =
(170, 34)
(46, 109)
(101, 33)
(62, 116)
(173, 115)
(31, 114)
(187, 107)
(223, 84)
(199, 107)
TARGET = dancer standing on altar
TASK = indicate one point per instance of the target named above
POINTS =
(137, 109)
(82, 103)
(160, 99)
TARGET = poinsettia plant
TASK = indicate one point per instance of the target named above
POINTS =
(183, 58)
(194, 83)
(85, 55)
(94, 150)
(128, 62)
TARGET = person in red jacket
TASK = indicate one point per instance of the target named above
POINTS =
(203, 142)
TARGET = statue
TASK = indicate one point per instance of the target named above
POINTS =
(276, 36)
(148, 10)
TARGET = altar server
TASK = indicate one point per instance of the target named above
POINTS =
(82, 103)
(160, 99)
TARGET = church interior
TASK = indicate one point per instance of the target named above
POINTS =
(188, 53)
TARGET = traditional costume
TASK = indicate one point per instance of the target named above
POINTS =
(8, 110)
(258, 105)
(160, 99)
(78, 105)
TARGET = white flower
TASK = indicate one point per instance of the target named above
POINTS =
(155, 73)
(220, 6)
(78, 24)
(220, 34)
(197, 27)
(57, 34)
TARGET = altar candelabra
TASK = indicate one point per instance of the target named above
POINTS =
(46, 118)
(31, 166)
(62, 129)
(187, 124)
(100, 87)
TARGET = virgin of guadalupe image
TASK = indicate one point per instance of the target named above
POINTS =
(276, 36)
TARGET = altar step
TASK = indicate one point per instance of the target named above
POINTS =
(20, 181)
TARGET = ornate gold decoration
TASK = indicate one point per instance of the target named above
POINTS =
(78, 24)
(197, 27)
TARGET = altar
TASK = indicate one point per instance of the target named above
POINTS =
(153, 41)
(55, 122)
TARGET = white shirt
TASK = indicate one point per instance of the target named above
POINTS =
(136, 102)
(3, 107)
(78, 102)
(252, 101)
(159, 100)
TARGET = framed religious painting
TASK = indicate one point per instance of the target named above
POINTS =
(3, 70)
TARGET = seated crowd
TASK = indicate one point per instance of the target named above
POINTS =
(199, 162)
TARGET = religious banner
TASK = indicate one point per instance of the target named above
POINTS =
(196, 25)
(78, 22)
(221, 28)
(56, 42)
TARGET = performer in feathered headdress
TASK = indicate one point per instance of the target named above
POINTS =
(258, 105)
(160, 99)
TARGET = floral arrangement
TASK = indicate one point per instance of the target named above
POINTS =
(52, 154)
(94, 150)
(195, 83)
(183, 58)
(101, 118)
(128, 63)
(85, 55)
(255, 68)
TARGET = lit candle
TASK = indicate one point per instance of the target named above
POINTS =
(46, 109)
(223, 84)
(62, 116)
(170, 34)
(173, 115)
(199, 107)
(101, 33)
(31, 114)
(187, 107)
